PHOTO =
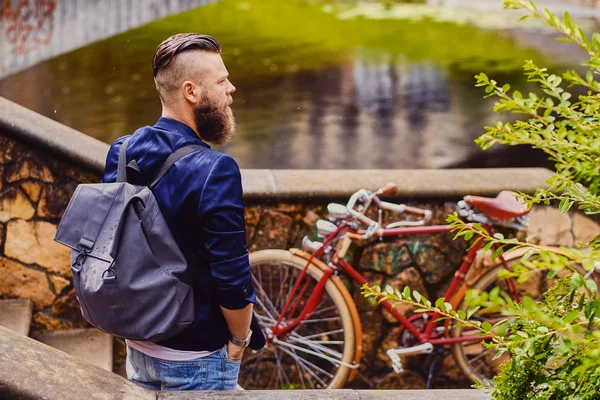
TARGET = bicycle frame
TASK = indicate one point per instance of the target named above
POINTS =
(338, 262)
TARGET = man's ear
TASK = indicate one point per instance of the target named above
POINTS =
(191, 92)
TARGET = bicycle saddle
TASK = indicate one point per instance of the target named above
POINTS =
(502, 207)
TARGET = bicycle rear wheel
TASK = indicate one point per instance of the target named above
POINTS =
(473, 358)
(313, 355)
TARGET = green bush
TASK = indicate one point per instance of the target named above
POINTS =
(554, 344)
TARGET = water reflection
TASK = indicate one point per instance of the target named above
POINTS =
(331, 93)
(368, 113)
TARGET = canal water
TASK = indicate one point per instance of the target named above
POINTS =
(320, 84)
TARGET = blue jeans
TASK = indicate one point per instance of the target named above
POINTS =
(213, 372)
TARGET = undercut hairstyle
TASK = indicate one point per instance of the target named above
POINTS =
(169, 70)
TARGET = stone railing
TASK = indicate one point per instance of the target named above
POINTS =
(41, 163)
(37, 372)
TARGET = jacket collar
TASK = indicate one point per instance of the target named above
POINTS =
(171, 125)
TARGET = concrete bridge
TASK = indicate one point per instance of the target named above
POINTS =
(32, 31)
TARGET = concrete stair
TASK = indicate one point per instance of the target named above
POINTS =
(90, 345)
(15, 314)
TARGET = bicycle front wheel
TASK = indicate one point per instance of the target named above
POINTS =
(318, 352)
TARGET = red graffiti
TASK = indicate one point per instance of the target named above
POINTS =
(28, 23)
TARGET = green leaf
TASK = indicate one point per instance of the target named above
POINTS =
(570, 317)
(439, 303)
(589, 76)
(568, 22)
(472, 311)
(486, 326)
(528, 303)
(577, 281)
(596, 41)
(565, 205)
(499, 353)
(416, 295)
(497, 252)
(499, 236)
(591, 285)
(528, 253)
(523, 334)
(406, 293)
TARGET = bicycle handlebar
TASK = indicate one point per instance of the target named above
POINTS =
(388, 189)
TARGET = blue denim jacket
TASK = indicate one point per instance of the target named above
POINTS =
(201, 200)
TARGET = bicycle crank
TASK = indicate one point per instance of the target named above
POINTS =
(394, 354)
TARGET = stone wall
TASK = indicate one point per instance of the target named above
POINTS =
(35, 188)
(42, 162)
(34, 191)
(425, 263)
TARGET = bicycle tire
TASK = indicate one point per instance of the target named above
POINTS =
(487, 282)
(314, 371)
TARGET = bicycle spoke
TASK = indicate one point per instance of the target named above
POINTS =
(317, 311)
(279, 301)
(480, 356)
(291, 286)
(271, 286)
(311, 355)
(281, 370)
(321, 341)
(266, 319)
(306, 364)
(321, 349)
(312, 352)
(315, 321)
(256, 363)
(324, 334)
(267, 299)
(300, 373)
(264, 308)
(272, 378)
(259, 275)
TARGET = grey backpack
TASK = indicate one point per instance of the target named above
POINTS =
(129, 274)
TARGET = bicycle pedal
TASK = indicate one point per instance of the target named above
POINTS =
(394, 354)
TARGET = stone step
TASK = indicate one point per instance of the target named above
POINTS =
(15, 314)
(90, 345)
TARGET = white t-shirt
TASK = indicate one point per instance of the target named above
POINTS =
(166, 353)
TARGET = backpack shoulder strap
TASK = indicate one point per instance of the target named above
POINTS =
(122, 168)
(173, 158)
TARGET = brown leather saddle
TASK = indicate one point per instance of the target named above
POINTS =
(503, 207)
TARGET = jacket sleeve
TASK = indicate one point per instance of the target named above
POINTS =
(224, 234)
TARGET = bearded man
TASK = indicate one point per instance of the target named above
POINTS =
(201, 200)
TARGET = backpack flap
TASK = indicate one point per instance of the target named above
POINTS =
(94, 208)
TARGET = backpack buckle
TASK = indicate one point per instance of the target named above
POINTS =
(110, 274)
(80, 259)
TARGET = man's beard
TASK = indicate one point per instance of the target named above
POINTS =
(215, 125)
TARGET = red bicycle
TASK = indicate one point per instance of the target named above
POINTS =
(313, 330)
